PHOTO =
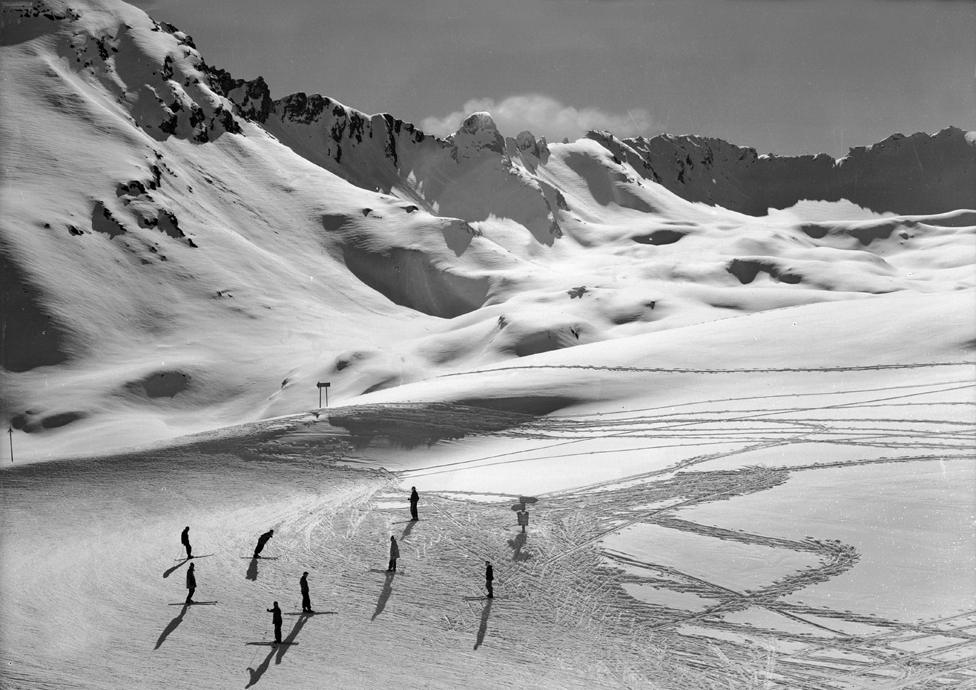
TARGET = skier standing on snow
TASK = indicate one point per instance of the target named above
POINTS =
(262, 540)
(414, 499)
(394, 555)
(276, 621)
(306, 602)
(489, 577)
(185, 540)
(191, 584)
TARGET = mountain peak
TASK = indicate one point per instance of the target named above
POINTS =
(476, 134)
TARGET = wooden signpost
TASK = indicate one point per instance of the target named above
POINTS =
(521, 508)
(325, 385)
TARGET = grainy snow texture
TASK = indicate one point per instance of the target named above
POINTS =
(751, 437)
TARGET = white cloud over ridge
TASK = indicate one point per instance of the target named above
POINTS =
(543, 116)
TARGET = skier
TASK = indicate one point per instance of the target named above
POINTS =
(414, 498)
(276, 621)
(191, 584)
(489, 576)
(185, 539)
(262, 540)
(306, 602)
(394, 555)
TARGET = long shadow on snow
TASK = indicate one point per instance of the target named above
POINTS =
(517, 544)
(483, 628)
(252, 570)
(290, 640)
(173, 625)
(256, 673)
(176, 567)
(409, 425)
(384, 595)
(407, 530)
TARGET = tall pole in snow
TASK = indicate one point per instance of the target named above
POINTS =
(10, 432)
(325, 385)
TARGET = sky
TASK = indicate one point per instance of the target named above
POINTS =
(782, 76)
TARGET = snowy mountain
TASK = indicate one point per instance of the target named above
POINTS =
(745, 441)
(176, 242)
(921, 173)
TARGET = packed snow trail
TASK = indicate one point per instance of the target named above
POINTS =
(630, 573)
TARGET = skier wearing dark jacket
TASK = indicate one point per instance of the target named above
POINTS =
(185, 540)
(262, 540)
(191, 584)
(414, 499)
(306, 601)
(276, 621)
(489, 578)
(394, 555)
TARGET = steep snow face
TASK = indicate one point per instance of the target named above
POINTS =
(472, 175)
(921, 173)
(178, 251)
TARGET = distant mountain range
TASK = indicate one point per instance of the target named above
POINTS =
(921, 173)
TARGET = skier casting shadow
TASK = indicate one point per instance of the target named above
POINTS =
(173, 625)
(394, 554)
(384, 595)
(276, 622)
(414, 499)
(185, 540)
(262, 540)
(191, 584)
(483, 628)
(306, 601)
(252, 570)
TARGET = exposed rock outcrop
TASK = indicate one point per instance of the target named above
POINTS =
(921, 173)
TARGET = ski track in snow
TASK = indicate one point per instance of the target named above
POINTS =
(562, 617)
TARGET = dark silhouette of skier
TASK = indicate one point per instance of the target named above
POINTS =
(306, 602)
(394, 555)
(276, 621)
(414, 499)
(191, 584)
(185, 540)
(489, 577)
(262, 540)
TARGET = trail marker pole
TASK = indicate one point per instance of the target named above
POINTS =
(325, 385)
(10, 432)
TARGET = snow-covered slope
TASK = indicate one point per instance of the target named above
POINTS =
(181, 252)
(750, 438)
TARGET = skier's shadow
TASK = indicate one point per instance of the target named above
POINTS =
(252, 570)
(176, 567)
(256, 673)
(407, 530)
(173, 625)
(277, 651)
(384, 595)
(483, 628)
(517, 544)
(288, 641)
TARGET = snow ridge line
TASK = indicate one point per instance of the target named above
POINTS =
(684, 370)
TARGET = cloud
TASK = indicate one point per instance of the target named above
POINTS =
(543, 116)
